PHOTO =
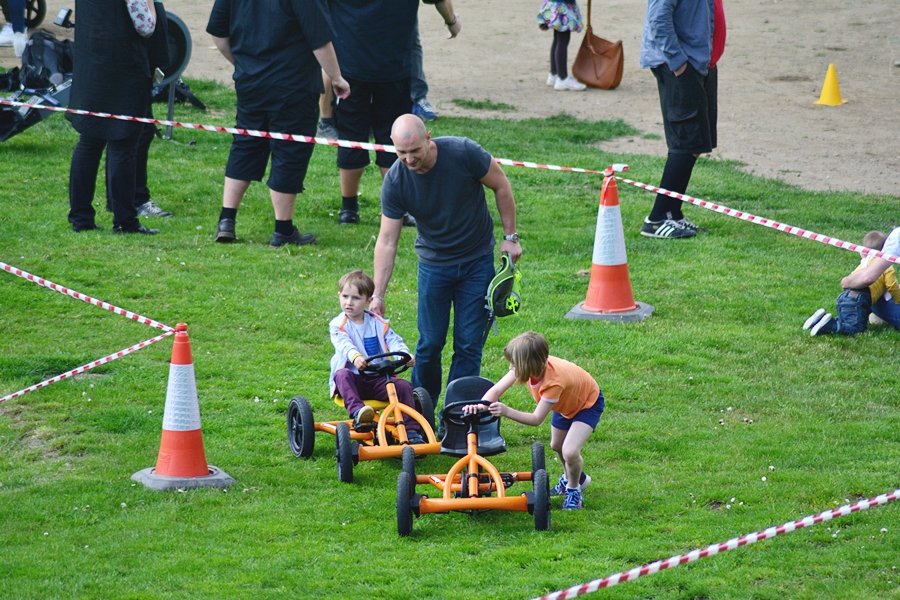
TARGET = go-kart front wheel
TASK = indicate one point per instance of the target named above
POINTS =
(300, 427)
(344, 453)
(541, 496)
(405, 490)
(408, 462)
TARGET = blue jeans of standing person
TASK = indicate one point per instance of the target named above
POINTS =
(418, 87)
(853, 308)
(463, 287)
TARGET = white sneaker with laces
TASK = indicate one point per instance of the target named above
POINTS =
(6, 35)
(551, 79)
(152, 209)
(19, 41)
(569, 84)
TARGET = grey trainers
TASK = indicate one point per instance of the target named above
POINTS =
(327, 129)
(666, 229)
(152, 209)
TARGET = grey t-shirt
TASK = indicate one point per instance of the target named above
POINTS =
(452, 218)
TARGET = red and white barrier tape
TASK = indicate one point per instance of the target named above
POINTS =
(89, 366)
(818, 237)
(279, 136)
(84, 298)
(752, 538)
(783, 227)
(104, 305)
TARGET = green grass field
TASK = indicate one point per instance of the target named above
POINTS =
(722, 417)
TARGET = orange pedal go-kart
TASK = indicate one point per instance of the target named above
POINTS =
(472, 483)
(385, 437)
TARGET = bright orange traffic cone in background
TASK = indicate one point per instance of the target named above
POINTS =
(609, 294)
(182, 460)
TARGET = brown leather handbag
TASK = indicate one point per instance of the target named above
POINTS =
(599, 62)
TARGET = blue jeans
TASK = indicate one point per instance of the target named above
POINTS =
(853, 308)
(418, 87)
(887, 310)
(463, 286)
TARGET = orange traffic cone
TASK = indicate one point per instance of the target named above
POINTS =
(609, 294)
(831, 91)
(182, 461)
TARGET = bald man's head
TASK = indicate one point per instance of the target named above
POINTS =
(413, 144)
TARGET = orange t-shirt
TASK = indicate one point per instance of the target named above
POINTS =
(572, 386)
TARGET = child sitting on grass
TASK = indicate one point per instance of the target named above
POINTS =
(560, 387)
(854, 306)
(357, 333)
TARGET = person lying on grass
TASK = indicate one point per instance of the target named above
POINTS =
(560, 387)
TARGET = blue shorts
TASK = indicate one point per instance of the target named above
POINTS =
(589, 416)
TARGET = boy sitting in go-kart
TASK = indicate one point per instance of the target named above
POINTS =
(357, 333)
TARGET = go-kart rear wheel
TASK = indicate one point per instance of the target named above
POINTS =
(537, 458)
(301, 429)
(424, 404)
(408, 462)
(344, 453)
(541, 500)
(405, 490)
(35, 11)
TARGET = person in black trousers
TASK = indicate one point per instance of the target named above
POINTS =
(111, 74)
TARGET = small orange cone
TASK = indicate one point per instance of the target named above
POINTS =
(609, 294)
(831, 91)
(182, 461)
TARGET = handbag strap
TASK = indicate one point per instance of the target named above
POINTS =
(589, 14)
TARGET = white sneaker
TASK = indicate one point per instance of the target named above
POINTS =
(20, 40)
(569, 84)
(551, 79)
(813, 319)
(6, 35)
(876, 320)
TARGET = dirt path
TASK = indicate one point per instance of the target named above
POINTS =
(771, 76)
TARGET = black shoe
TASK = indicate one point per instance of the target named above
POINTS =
(88, 227)
(666, 229)
(225, 231)
(296, 238)
(409, 220)
(348, 216)
(140, 229)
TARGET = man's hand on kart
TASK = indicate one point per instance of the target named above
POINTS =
(360, 363)
(495, 408)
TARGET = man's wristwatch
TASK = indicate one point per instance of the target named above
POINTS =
(511, 237)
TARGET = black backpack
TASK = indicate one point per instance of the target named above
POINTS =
(47, 61)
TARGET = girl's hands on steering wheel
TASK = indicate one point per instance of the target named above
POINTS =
(495, 408)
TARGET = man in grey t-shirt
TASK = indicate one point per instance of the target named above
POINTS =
(441, 183)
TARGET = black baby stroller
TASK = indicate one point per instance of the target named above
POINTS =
(35, 11)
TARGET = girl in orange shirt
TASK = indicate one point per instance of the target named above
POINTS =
(560, 387)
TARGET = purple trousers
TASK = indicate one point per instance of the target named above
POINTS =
(354, 387)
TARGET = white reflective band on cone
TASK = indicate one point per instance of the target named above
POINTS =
(609, 242)
(182, 408)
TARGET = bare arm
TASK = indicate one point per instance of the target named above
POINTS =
(496, 180)
(385, 253)
(328, 61)
(224, 46)
(533, 418)
(862, 278)
(451, 19)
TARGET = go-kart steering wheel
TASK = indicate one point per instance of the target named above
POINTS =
(387, 366)
(455, 416)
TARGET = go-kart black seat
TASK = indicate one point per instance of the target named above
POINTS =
(460, 392)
